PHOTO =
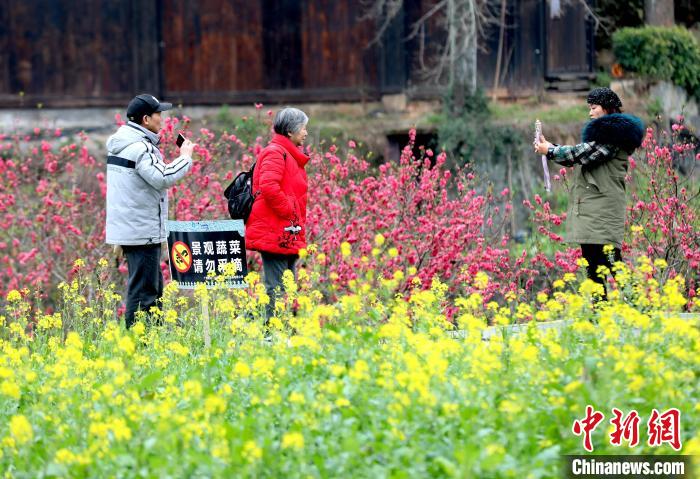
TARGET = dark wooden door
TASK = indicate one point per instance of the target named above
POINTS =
(569, 42)
(77, 52)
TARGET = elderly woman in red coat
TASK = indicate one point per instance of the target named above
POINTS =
(276, 226)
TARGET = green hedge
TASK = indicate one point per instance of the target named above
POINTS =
(660, 53)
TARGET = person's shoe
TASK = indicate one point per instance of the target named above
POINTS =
(267, 336)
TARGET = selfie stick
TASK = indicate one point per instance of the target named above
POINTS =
(538, 134)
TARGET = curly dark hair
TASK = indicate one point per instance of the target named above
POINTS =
(606, 98)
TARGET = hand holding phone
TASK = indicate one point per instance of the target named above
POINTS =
(180, 140)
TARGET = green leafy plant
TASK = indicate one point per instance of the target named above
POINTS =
(660, 53)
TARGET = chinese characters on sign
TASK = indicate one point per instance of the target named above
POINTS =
(662, 428)
(201, 250)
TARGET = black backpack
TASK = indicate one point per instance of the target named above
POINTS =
(240, 195)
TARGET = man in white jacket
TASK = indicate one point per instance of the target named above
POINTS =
(137, 198)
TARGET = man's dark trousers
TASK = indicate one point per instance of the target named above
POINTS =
(145, 287)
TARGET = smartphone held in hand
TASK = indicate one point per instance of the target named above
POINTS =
(180, 140)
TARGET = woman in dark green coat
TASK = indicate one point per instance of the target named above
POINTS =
(597, 202)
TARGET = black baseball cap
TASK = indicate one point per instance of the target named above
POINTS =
(145, 104)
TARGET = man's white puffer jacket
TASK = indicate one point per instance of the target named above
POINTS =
(137, 186)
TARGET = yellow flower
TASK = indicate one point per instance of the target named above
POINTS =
(297, 398)
(64, 456)
(360, 371)
(530, 353)
(591, 288)
(241, 369)
(289, 283)
(481, 280)
(572, 386)
(509, 407)
(379, 239)
(192, 389)
(495, 450)
(10, 389)
(393, 252)
(170, 318)
(120, 430)
(20, 429)
(263, 366)
(14, 296)
(345, 249)
(126, 345)
(337, 369)
(293, 440)
(178, 348)
(213, 404)
(74, 341)
(139, 328)
(660, 263)
(449, 408)
(201, 292)
(303, 253)
(636, 383)
(251, 451)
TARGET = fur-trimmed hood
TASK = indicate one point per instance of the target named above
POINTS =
(618, 129)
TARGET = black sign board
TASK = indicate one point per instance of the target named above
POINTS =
(201, 250)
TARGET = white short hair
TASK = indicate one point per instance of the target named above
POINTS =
(289, 120)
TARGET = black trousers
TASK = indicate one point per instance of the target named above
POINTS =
(593, 253)
(145, 286)
(274, 266)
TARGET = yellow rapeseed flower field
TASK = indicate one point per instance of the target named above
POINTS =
(370, 383)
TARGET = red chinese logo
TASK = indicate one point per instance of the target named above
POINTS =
(587, 425)
(661, 428)
(627, 428)
(665, 428)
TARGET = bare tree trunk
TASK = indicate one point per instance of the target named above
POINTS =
(499, 55)
(463, 35)
(471, 46)
(453, 76)
(456, 60)
(659, 12)
(511, 193)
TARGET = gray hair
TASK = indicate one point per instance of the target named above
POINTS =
(289, 120)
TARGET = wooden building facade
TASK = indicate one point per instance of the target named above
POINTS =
(101, 52)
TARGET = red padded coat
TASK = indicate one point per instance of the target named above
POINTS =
(280, 183)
